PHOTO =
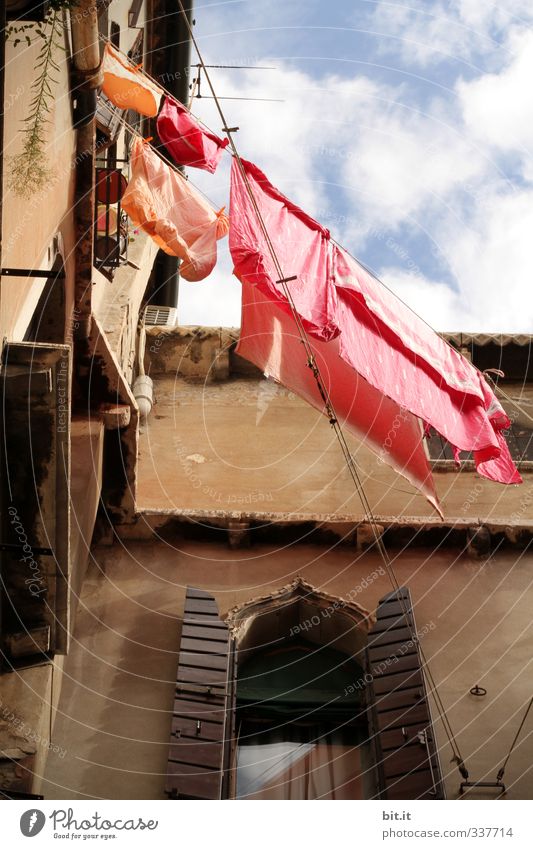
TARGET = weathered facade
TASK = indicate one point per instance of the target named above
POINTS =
(241, 491)
(235, 489)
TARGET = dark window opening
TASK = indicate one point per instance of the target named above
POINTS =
(519, 439)
(114, 34)
(301, 725)
(134, 12)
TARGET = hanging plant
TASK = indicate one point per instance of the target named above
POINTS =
(30, 170)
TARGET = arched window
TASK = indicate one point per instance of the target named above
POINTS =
(301, 725)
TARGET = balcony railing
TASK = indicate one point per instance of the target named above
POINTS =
(111, 222)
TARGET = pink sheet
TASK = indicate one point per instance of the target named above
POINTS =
(399, 354)
(302, 247)
(369, 339)
(186, 140)
(269, 339)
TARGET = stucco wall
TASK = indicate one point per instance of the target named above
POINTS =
(473, 619)
(248, 446)
(29, 225)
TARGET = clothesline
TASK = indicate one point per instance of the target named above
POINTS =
(230, 150)
(480, 431)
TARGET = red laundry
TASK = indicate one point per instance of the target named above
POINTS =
(269, 337)
(301, 244)
(403, 357)
(386, 345)
(164, 204)
(186, 140)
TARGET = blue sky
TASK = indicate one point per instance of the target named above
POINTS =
(406, 128)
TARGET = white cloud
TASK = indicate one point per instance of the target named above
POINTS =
(403, 163)
(436, 303)
(424, 33)
(498, 108)
(493, 269)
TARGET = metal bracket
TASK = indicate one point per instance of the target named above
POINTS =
(499, 785)
(31, 272)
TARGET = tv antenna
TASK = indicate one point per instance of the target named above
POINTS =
(196, 87)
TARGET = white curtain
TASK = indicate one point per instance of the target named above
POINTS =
(270, 767)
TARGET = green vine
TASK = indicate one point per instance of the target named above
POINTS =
(29, 169)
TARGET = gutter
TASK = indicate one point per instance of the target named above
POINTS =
(88, 77)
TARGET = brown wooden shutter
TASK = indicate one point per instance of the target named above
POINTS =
(108, 122)
(203, 721)
(399, 713)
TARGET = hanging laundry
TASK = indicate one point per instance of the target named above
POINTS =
(164, 204)
(301, 245)
(186, 140)
(269, 337)
(127, 87)
(399, 354)
(383, 343)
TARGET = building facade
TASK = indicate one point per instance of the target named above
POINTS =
(174, 589)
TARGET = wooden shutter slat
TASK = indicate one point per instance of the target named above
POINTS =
(402, 717)
(215, 678)
(193, 592)
(202, 617)
(382, 669)
(192, 782)
(404, 735)
(390, 624)
(194, 751)
(203, 660)
(407, 698)
(379, 654)
(391, 608)
(209, 631)
(402, 681)
(399, 637)
(199, 605)
(192, 644)
(417, 785)
(191, 708)
(405, 759)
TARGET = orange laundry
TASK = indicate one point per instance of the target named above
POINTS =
(126, 87)
(164, 204)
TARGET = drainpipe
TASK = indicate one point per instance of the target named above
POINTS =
(175, 47)
(88, 77)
